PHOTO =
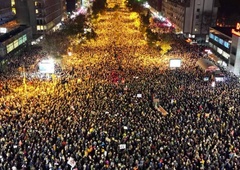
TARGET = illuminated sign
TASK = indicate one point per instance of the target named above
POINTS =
(211, 36)
(226, 44)
(219, 40)
(238, 26)
(237, 30)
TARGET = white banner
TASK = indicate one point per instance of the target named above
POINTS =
(122, 146)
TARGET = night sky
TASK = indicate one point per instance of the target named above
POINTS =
(229, 12)
(229, 7)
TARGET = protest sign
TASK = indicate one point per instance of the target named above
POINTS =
(122, 146)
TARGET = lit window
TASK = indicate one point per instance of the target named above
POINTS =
(13, 2)
(9, 47)
(226, 44)
(220, 41)
(14, 10)
(24, 38)
(38, 27)
(211, 36)
(20, 40)
(15, 44)
(36, 11)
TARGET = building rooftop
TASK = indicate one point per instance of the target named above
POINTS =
(4, 37)
(6, 17)
(10, 25)
(225, 30)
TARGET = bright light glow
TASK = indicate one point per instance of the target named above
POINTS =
(146, 5)
(208, 51)
(166, 23)
(205, 78)
(87, 30)
(3, 30)
(213, 84)
(46, 66)
(238, 26)
(73, 16)
(82, 10)
(219, 79)
(175, 63)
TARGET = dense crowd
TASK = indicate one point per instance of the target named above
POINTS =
(100, 115)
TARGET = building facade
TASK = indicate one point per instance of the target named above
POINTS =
(21, 20)
(234, 61)
(191, 17)
(14, 39)
(6, 13)
(41, 15)
(225, 43)
(12, 34)
(220, 40)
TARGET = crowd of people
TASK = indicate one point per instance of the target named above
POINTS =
(100, 113)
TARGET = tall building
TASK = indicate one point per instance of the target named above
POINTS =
(12, 34)
(6, 13)
(191, 17)
(21, 19)
(42, 15)
(220, 40)
(235, 50)
(225, 44)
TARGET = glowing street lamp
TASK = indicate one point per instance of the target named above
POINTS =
(146, 5)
